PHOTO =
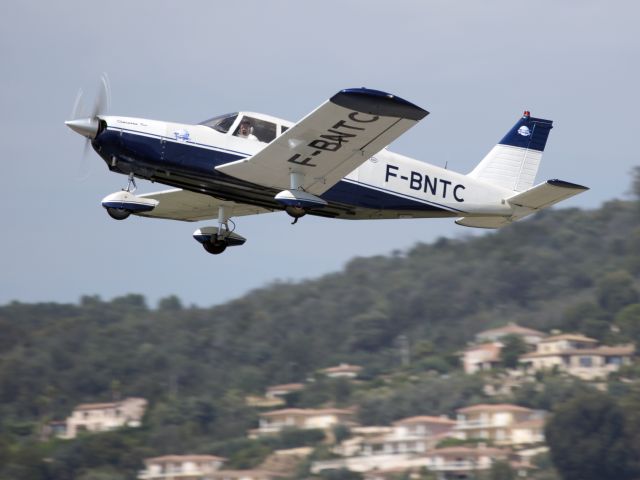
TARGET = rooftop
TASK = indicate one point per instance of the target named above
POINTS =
(604, 351)
(425, 419)
(500, 407)
(577, 337)
(469, 451)
(286, 386)
(343, 367)
(511, 329)
(303, 412)
(184, 458)
(105, 405)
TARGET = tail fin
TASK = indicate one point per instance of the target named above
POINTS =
(513, 163)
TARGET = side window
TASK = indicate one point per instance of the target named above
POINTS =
(283, 129)
(256, 129)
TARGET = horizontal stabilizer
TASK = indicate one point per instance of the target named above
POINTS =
(546, 194)
(526, 203)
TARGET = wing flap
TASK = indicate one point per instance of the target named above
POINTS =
(178, 204)
(330, 142)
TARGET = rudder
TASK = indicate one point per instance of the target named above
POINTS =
(513, 163)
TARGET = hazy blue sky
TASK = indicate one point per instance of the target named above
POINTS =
(474, 65)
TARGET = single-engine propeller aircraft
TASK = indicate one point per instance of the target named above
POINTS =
(332, 163)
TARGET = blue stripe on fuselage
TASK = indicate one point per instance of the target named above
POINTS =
(200, 159)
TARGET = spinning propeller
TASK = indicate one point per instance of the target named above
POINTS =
(87, 124)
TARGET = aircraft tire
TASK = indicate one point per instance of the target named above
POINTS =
(118, 213)
(215, 248)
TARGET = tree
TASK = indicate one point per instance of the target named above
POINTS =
(500, 470)
(628, 319)
(615, 291)
(588, 440)
(635, 183)
(170, 304)
(513, 347)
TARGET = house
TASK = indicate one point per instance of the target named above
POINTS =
(344, 370)
(448, 462)
(485, 356)
(244, 475)
(503, 424)
(577, 355)
(180, 467)
(100, 417)
(278, 391)
(463, 462)
(410, 435)
(528, 335)
(277, 420)
(377, 447)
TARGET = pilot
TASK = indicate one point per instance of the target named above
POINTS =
(245, 130)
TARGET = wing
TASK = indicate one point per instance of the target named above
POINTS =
(330, 142)
(177, 204)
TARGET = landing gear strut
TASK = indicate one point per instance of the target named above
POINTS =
(218, 242)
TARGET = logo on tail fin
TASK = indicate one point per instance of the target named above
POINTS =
(524, 131)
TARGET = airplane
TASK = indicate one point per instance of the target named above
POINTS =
(332, 163)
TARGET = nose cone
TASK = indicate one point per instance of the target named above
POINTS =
(87, 127)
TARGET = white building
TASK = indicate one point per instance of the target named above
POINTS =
(448, 462)
(101, 417)
(485, 356)
(244, 475)
(344, 370)
(577, 355)
(180, 467)
(399, 446)
(410, 435)
(278, 391)
(303, 418)
(503, 424)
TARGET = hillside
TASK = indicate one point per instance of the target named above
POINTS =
(564, 269)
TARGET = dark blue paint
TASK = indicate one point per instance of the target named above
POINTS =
(138, 153)
(538, 131)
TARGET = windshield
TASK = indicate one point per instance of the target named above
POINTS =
(221, 123)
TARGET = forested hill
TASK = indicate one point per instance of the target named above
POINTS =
(566, 269)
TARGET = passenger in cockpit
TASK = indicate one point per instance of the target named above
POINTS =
(245, 130)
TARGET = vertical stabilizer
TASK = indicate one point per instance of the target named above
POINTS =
(513, 163)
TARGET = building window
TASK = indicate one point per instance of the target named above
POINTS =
(586, 362)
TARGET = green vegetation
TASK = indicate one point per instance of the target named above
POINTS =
(568, 269)
(589, 438)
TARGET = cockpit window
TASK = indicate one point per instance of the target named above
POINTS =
(221, 123)
(256, 129)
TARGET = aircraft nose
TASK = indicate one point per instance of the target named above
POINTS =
(87, 127)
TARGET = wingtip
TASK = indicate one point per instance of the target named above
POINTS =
(379, 103)
(564, 184)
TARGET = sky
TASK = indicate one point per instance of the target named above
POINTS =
(474, 65)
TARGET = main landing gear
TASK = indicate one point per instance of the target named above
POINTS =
(215, 240)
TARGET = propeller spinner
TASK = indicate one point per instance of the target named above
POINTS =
(88, 124)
